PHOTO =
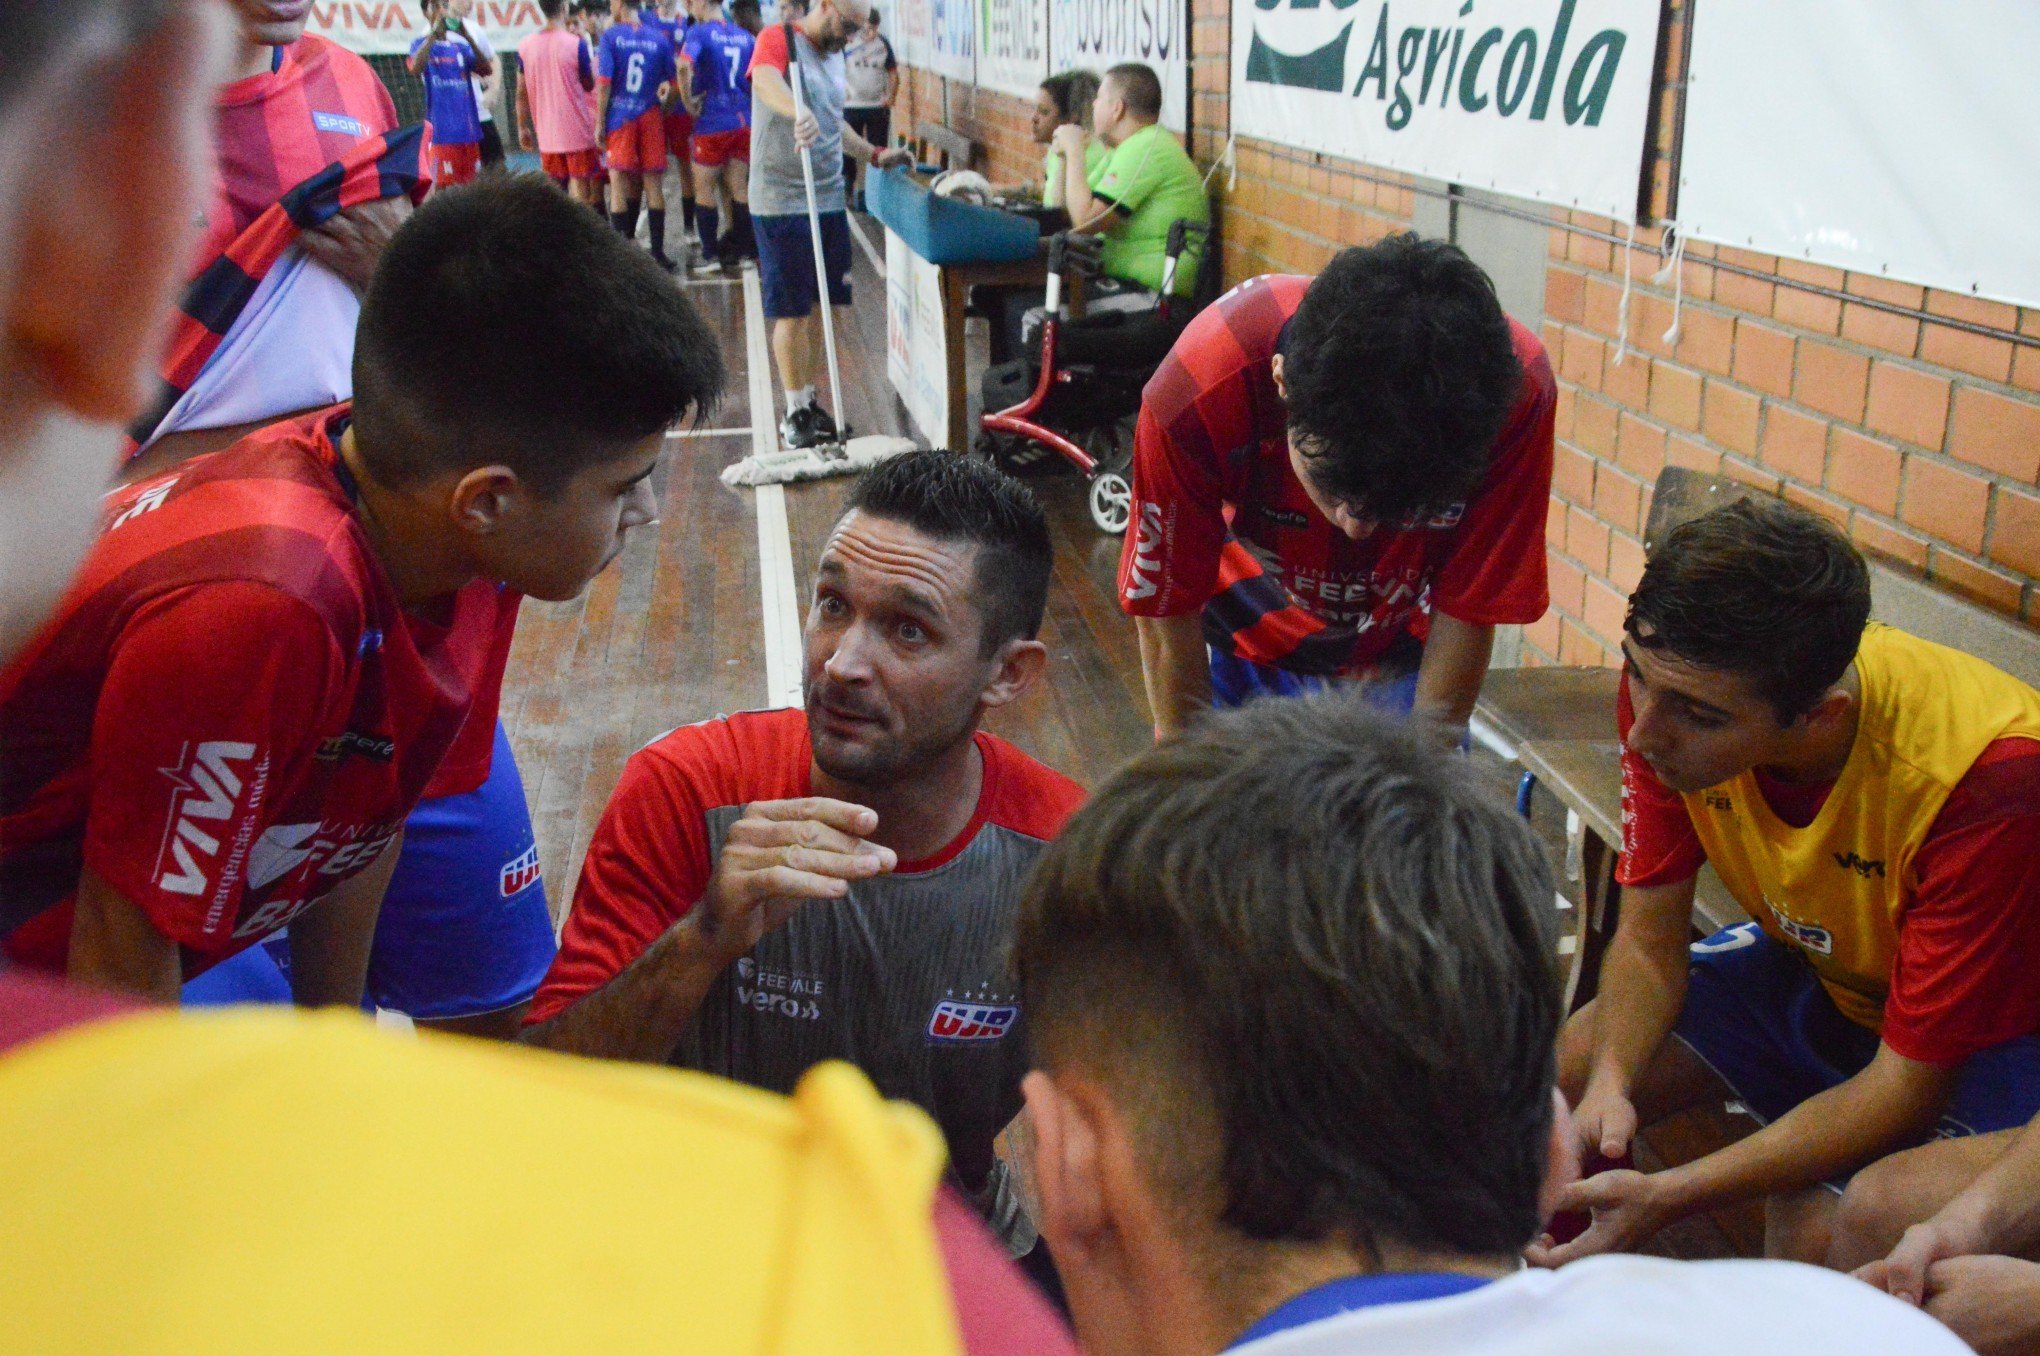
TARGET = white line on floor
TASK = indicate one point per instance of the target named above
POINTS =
(777, 597)
(743, 432)
(864, 243)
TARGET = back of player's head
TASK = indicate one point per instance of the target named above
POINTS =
(746, 14)
(955, 498)
(1072, 93)
(1139, 88)
(1762, 588)
(1308, 959)
(552, 9)
(508, 325)
(1400, 371)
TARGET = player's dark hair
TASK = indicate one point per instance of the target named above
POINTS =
(508, 324)
(1400, 370)
(1140, 88)
(746, 15)
(34, 32)
(872, 18)
(1072, 92)
(963, 499)
(1310, 959)
(1762, 588)
(551, 8)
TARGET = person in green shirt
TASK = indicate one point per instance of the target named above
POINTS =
(1146, 184)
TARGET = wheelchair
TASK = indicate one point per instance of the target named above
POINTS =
(1078, 393)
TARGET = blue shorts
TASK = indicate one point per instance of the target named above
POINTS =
(464, 928)
(786, 262)
(1757, 1014)
(1236, 681)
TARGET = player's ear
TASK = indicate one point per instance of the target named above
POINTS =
(1020, 663)
(121, 140)
(482, 499)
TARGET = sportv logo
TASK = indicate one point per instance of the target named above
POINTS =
(219, 781)
(1305, 44)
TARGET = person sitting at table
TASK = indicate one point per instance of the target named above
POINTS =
(1873, 801)
(1064, 100)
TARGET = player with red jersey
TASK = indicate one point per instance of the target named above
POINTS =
(1873, 802)
(275, 646)
(1340, 477)
(782, 887)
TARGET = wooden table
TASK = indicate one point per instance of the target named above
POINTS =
(957, 280)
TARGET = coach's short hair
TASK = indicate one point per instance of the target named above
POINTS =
(1140, 89)
(1310, 959)
(508, 324)
(956, 498)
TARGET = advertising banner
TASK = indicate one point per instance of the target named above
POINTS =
(1101, 34)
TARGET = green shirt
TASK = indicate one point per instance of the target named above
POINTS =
(1154, 184)
(1052, 170)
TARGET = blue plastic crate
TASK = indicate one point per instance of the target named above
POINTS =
(944, 231)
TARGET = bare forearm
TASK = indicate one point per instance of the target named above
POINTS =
(1836, 1131)
(2001, 1208)
(115, 946)
(1175, 669)
(330, 942)
(769, 83)
(1643, 982)
(642, 1013)
(1455, 664)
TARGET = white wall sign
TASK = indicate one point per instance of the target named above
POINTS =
(1012, 55)
(916, 357)
(1101, 34)
(383, 27)
(1545, 99)
(952, 38)
(1888, 137)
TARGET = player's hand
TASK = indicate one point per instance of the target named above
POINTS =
(1627, 1208)
(664, 93)
(1606, 1119)
(351, 243)
(806, 131)
(1992, 1303)
(524, 139)
(780, 855)
(1903, 1274)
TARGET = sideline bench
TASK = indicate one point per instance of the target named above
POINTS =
(957, 150)
(1561, 721)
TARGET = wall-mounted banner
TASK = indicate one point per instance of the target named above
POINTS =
(1883, 136)
(1102, 34)
(383, 27)
(910, 24)
(1545, 99)
(1012, 45)
(952, 39)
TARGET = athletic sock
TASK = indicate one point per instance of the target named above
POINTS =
(656, 216)
(740, 231)
(690, 213)
(704, 222)
(632, 214)
(800, 400)
(621, 221)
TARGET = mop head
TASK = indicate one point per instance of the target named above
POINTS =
(815, 463)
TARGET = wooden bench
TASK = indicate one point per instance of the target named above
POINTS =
(957, 150)
(1560, 722)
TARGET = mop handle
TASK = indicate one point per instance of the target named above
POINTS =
(807, 174)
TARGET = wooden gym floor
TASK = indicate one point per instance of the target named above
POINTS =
(675, 632)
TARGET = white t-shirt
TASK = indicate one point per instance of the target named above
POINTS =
(1634, 1306)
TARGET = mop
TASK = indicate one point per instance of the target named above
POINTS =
(850, 455)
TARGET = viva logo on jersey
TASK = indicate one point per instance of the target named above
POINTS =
(1419, 55)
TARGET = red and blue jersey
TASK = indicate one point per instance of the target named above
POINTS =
(720, 53)
(233, 714)
(634, 60)
(1221, 523)
(450, 93)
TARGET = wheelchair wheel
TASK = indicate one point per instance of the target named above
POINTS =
(1111, 502)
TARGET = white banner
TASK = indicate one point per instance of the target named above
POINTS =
(916, 355)
(952, 38)
(1012, 45)
(1101, 34)
(385, 27)
(911, 26)
(1544, 99)
(1889, 137)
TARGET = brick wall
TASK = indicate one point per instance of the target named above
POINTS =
(1921, 439)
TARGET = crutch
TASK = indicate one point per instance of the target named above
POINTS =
(814, 217)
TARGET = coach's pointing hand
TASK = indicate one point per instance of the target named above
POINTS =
(781, 854)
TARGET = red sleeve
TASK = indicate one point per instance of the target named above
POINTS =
(1965, 978)
(216, 698)
(998, 1310)
(1196, 407)
(1496, 576)
(647, 865)
(770, 50)
(1659, 846)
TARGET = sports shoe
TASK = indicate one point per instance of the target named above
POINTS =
(808, 426)
(709, 268)
(659, 258)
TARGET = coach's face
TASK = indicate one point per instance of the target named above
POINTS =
(896, 675)
(273, 23)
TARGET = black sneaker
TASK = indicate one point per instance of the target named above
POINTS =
(808, 426)
(659, 258)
